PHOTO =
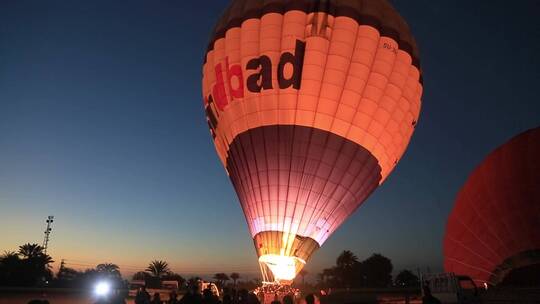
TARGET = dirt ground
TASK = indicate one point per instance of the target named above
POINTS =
(53, 299)
(82, 299)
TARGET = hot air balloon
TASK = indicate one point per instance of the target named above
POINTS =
(310, 104)
(492, 233)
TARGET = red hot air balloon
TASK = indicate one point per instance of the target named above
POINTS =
(492, 234)
(311, 104)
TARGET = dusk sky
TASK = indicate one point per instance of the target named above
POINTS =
(102, 125)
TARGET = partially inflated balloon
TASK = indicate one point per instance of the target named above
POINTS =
(310, 104)
(492, 232)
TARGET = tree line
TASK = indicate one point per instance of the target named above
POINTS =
(30, 266)
(373, 272)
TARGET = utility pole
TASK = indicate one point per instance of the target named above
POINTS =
(48, 230)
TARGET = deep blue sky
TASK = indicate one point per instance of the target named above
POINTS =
(101, 124)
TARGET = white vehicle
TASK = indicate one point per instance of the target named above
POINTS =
(450, 288)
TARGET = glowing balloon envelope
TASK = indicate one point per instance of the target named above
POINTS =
(310, 104)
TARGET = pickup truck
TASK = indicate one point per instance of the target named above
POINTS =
(450, 288)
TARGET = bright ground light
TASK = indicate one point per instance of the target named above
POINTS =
(102, 288)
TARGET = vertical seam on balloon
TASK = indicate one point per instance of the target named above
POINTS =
(293, 215)
(259, 96)
(371, 73)
(305, 159)
(360, 171)
(265, 159)
(323, 209)
(290, 158)
(311, 135)
(278, 143)
(366, 188)
(392, 165)
(261, 202)
(311, 130)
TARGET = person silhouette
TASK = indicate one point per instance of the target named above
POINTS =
(173, 298)
(227, 299)
(142, 297)
(156, 299)
(243, 296)
(192, 297)
(252, 299)
(428, 298)
(276, 299)
(310, 299)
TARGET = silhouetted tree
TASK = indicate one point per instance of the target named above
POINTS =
(10, 263)
(68, 278)
(377, 270)
(67, 274)
(346, 259)
(235, 276)
(171, 276)
(29, 251)
(141, 275)
(34, 266)
(221, 278)
(193, 281)
(158, 268)
(344, 272)
(407, 279)
(109, 270)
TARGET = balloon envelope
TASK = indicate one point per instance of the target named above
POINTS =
(493, 227)
(310, 104)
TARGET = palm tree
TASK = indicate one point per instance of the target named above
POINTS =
(29, 251)
(158, 268)
(9, 256)
(346, 259)
(303, 274)
(344, 271)
(109, 269)
(34, 254)
(10, 268)
(235, 276)
(35, 265)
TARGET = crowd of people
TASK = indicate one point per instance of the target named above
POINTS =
(230, 296)
(279, 294)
